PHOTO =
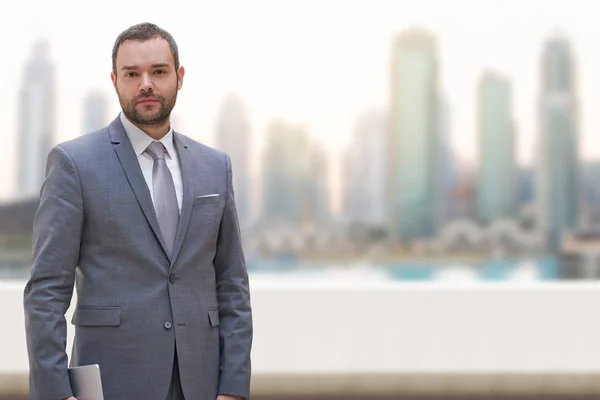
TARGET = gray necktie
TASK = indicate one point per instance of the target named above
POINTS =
(165, 199)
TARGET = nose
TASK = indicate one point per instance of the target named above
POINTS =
(146, 84)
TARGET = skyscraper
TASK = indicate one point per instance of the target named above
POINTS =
(233, 135)
(558, 160)
(364, 171)
(446, 165)
(497, 173)
(413, 136)
(95, 112)
(318, 186)
(590, 191)
(285, 176)
(36, 122)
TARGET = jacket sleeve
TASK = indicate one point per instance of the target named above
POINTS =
(233, 296)
(57, 229)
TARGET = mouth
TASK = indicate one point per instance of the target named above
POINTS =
(147, 101)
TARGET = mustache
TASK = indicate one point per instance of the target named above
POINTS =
(148, 97)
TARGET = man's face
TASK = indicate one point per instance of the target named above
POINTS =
(146, 81)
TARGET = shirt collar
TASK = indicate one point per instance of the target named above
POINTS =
(140, 140)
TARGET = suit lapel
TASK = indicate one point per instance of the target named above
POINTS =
(186, 163)
(131, 167)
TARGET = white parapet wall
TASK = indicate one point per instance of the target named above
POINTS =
(374, 337)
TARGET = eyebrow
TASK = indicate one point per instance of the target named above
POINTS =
(133, 67)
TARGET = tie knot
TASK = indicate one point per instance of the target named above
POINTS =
(156, 150)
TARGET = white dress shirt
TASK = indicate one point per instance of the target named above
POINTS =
(140, 141)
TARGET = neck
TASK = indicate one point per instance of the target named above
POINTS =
(156, 130)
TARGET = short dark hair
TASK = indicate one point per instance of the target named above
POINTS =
(143, 32)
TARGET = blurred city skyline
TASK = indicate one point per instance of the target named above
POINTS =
(373, 141)
(321, 65)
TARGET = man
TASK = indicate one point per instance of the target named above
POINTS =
(143, 219)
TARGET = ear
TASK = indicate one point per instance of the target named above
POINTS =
(180, 74)
(113, 78)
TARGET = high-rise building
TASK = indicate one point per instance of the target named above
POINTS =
(413, 137)
(36, 123)
(446, 166)
(285, 175)
(526, 185)
(95, 111)
(463, 194)
(558, 161)
(364, 171)
(233, 135)
(590, 190)
(319, 210)
(497, 182)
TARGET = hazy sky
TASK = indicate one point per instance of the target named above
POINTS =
(321, 62)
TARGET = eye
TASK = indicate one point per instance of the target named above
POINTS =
(160, 72)
(130, 74)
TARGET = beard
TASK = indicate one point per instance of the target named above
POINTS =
(151, 120)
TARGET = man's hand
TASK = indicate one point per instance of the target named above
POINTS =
(228, 397)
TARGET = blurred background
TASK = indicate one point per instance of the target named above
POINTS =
(375, 144)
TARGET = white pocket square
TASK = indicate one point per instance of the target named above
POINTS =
(207, 195)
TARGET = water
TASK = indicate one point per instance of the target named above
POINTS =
(521, 270)
(284, 269)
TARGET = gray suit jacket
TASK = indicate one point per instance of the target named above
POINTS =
(96, 227)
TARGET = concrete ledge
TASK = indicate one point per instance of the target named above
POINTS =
(428, 384)
(14, 383)
(431, 384)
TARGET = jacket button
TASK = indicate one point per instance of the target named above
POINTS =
(172, 278)
(167, 324)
